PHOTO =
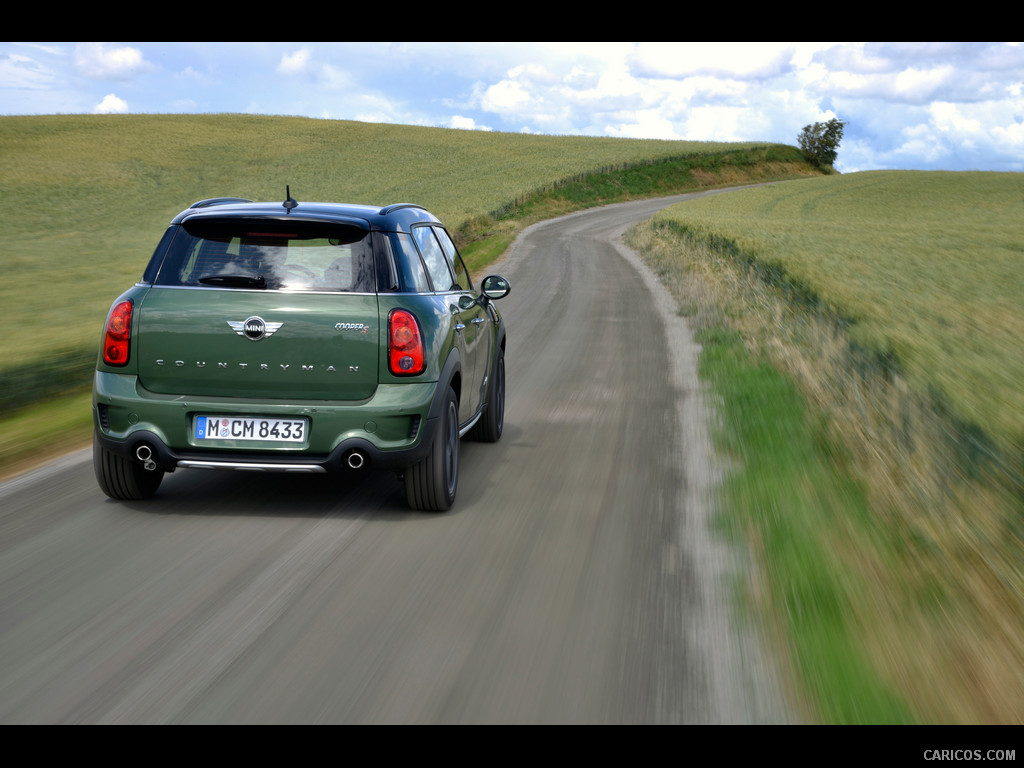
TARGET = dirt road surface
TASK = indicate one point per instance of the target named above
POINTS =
(576, 580)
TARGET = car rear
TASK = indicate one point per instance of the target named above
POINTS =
(257, 341)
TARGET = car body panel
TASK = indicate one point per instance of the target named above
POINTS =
(324, 346)
(227, 351)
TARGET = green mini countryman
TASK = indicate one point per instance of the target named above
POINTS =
(300, 337)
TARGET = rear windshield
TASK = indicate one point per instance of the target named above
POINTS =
(285, 255)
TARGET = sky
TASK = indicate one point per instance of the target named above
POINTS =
(929, 106)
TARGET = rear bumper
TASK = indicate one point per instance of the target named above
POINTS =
(392, 429)
(353, 453)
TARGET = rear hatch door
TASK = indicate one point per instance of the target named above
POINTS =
(263, 307)
(251, 344)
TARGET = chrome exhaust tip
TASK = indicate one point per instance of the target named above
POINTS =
(356, 460)
(145, 454)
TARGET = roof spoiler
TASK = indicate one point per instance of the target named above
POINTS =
(218, 201)
(398, 206)
(228, 200)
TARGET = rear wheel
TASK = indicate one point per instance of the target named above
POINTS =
(492, 421)
(430, 485)
(121, 478)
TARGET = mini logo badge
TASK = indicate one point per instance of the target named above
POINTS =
(254, 328)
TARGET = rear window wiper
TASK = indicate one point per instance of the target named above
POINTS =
(235, 281)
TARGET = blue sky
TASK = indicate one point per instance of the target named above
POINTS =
(952, 106)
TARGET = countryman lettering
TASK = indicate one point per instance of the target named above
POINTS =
(261, 366)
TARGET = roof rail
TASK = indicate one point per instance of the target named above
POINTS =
(398, 206)
(218, 201)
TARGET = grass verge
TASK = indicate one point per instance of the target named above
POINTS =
(791, 504)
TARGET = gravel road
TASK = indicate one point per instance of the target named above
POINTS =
(576, 580)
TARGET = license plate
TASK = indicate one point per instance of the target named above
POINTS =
(247, 428)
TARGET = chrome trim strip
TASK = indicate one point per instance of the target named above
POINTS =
(253, 467)
(470, 424)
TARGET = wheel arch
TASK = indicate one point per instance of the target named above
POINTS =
(450, 378)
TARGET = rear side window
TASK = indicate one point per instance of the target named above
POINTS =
(283, 255)
(461, 274)
(433, 257)
(412, 275)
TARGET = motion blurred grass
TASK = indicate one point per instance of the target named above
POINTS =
(892, 303)
(803, 510)
(44, 431)
(926, 268)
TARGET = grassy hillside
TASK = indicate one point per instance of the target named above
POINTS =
(863, 335)
(88, 197)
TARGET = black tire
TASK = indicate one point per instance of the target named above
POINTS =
(121, 478)
(431, 484)
(492, 420)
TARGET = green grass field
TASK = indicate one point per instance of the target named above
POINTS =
(862, 338)
(927, 268)
(89, 196)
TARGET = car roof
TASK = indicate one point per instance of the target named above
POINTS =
(398, 217)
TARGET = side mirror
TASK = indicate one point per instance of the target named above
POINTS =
(495, 287)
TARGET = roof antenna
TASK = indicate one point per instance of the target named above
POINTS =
(289, 202)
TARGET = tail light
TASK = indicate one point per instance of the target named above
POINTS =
(116, 336)
(405, 344)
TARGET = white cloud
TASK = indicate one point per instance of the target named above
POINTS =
(18, 71)
(917, 85)
(295, 63)
(951, 120)
(511, 96)
(466, 123)
(675, 60)
(718, 124)
(111, 105)
(101, 62)
(646, 124)
(335, 78)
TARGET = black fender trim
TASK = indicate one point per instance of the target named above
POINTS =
(499, 349)
(452, 366)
